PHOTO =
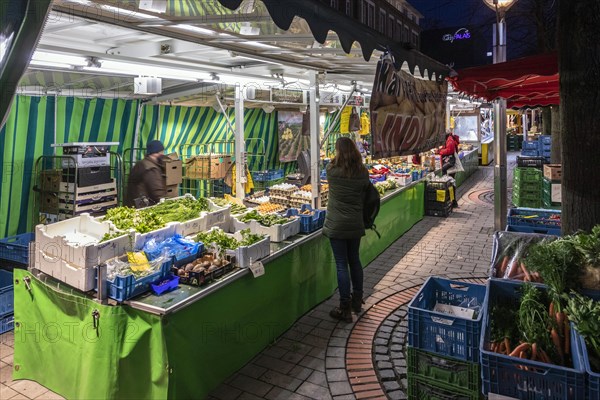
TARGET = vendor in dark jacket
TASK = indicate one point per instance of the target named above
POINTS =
(348, 181)
(146, 178)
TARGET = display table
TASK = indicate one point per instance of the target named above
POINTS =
(184, 343)
(470, 163)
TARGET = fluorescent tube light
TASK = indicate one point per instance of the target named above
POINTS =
(195, 29)
(42, 56)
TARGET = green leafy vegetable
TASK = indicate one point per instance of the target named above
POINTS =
(265, 220)
(585, 313)
(218, 237)
(249, 238)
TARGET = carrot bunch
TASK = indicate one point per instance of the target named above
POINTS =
(512, 268)
(543, 330)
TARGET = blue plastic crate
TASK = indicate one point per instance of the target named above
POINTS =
(532, 145)
(269, 175)
(581, 360)
(530, 153)
(16, 248)
(184, 258)
(531, 229)
(441, 333)
(308, 223)
(7, 323)
(518, 377)
(545, 140)
(126, 287)
(6, 293)
(533, 218)
(171, 284)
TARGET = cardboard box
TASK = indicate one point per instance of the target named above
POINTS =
(49, 203)
(207, 167)
(553, 171)
(172, 191)
(50, 180)
(173, 170)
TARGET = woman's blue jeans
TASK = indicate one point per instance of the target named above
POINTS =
(346, 253)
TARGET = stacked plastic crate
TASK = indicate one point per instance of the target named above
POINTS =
(444, 325)
(551, 186)
(545, 145)
(265, 179)
(438, 197)
(527, 187)
(530, 149)
(14, 253)
(514, 142)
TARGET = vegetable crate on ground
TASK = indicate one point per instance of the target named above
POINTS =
(123, 288)
(532, 220)
(438, 209)
(593, 377)
(6, 293)
(530, 153)
(511, 247)
(527, 175)
(522, 378)
(15, 249)
(440, 332)
(459, 375)
(426, 389)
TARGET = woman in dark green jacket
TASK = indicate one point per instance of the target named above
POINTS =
(348, 181)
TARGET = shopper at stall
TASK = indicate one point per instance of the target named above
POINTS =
(348, 181)
(448, 153)
(146, 184)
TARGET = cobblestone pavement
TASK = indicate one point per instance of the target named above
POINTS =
(318, 358)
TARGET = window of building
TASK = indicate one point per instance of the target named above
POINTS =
(349, 8)
(368, 13)
(406, 35)
(415, 38)
(382, 19)
(390, 27)
(398, 32)
(334, 4)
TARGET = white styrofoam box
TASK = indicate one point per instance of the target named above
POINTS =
(244, 255)
(77, 241)
(402, 179)
(217, 216)
(556, 192)
(79, 278)
(277, 233)
(169, 230)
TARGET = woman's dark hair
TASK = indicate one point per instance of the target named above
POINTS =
(348, 158)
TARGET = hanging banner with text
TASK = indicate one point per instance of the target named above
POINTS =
(408, 115)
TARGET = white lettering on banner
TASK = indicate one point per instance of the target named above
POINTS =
(408, 115)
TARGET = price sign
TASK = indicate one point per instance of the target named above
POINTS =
(257, 268)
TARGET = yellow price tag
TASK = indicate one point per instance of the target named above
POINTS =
(451, 193)
(440, 195)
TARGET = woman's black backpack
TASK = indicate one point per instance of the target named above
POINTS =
(371, 208)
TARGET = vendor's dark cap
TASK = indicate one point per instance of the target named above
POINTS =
(154, 146)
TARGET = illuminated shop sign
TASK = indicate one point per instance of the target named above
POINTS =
(461, 34)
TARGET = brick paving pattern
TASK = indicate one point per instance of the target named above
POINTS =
(318, 358)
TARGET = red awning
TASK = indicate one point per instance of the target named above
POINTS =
(525, 82)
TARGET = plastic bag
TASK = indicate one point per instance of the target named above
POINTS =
(174, 246)
(120, 266)
(458, 167)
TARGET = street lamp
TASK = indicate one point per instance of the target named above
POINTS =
(500, 184)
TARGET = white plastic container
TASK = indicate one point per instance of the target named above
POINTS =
(77, 241)
(277, 233)
(79, 278)
(245, 254)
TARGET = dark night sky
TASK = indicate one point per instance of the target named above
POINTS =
(441, 13)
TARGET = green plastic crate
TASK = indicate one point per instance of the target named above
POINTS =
(528, 203)
(428, 389)
(434, 367)
(527, 186)
(528, 175)
(532, 195)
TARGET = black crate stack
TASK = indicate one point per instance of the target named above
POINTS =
(438, 197)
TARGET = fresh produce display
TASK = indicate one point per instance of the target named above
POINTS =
(537, 331)
(286, 187)
(135, 264)
(308, 188)
(180, 210)
(204, 264)
(265, 220)
(142, 221)
(268, 208)
(259, 200)
(386, 185)
(302, 194)
(224, 241)
(235, 208)
(585, 313)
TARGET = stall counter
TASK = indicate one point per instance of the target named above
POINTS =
(184, 344)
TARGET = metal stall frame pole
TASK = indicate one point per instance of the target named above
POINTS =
(136, 135)
(240, 151)
(500, 186)
(315, 148)
(524, 123)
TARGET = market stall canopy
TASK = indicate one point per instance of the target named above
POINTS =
(525, 82)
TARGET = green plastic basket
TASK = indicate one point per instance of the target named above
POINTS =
(458, 374)
(428, 389)
(528, 175)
